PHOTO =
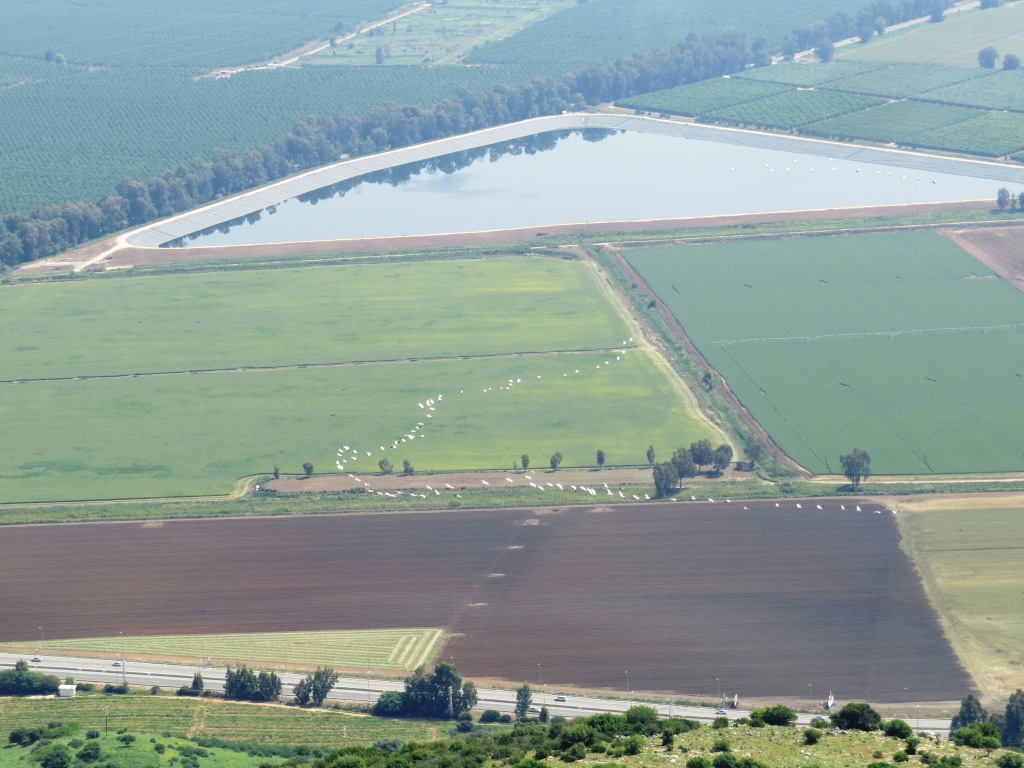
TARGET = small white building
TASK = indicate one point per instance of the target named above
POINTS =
(66, 691)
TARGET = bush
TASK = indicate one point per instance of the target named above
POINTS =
(642, 719)
(897, 729)
(900, 757)
(392, 704)
(812, 736)
(577, 751)
(119, 688)
(698, 762)
(92, 733)
(490, 716)
(725, 760)
(978, 736)
(1010, 760)
(160, 748)
(633, 745)
(90, 753)
(856, 717)
(720, 745)
(464, 726)
(779, 714)
(820, 723)
(912, 744)
(75, 743)
(85, 687)
(155, 690)
(720, 723)
(505, 718)
(186, 691)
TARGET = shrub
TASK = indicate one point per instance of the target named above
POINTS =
(388, 746)
(1010, 760)
(75, 743)
(85, 687)
(812, 736)
(856, 717)
(90, 753)
(897, 729)
(900, 757)
(186, 691)
(720, 745)
(464, 726)
(878, 754)
(489, 716)
(779, 714)
(725, 760)
(978, 736)
(642, 719)
(820, 723)
(392, 704)
(577, 751)
(720, 722)
(120, 688)
(155, 690)
(912, 744)
(633, 745)
(505, 718)
(92, 733)
(698, 762)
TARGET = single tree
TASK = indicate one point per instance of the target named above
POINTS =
(866, 33)
(856, 466)
(987, 57)
(386, 467)
(600, 457)
(59, 755)
(1011, 61)
(666, 478)
(722, 457)
(1013, 729)
(277, 472)
(825, 49)
(971, 712)
(682, 460)
(938, 11)
(650, 455)
(880, 25)
(407, 468)
(197, 683)
(524, 699)
(308, 469)
(525, 461)
(556, 459)
(1003, 198)
(708, 381)
(702, 452)
(126, 739)
(856, 717)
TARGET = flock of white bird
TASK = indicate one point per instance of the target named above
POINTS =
(878, 171)
(348, 455)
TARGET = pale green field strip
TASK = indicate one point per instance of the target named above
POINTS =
(193, 435)
(302, 316)
(1000, 90)
(956, 40)
(390, 649)
(899, 344)
(212, 719)
(970, 561)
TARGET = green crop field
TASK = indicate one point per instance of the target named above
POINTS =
(386, 649)
(968, 551)
(899, 344)
(901, 121)
(208, 718)
(704, 96)
(994, 134)
(310, 360)
(902, 80)
(1000, 90)
(956, 40)
(438, 34)
(792, 109)
(807, 74)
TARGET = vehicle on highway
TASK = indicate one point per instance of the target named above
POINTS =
(560, 697)
(533, 711)
(720, 712)
(117, 664)
(36, 660)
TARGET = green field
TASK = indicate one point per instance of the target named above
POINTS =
(956, 40)
(968, 551)
(808, 74)
(900, 344)
(310, 360)
(993, 134)
(386, 649)
(704, 96)
(901, 80)
(1000, 90)
(793, 108)
(902, 122)
(207, 718)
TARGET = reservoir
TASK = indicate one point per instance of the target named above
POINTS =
(597, 174)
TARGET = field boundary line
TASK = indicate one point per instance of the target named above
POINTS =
(867, 334)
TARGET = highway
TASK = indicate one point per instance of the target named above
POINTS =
(368, 689)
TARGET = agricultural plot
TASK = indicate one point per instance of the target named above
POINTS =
(968, 551)
(438, 34)
(210, 718)
(393, 650)
(899, 344)
(807, 74)
(902, 80)
(994, 134)
(955, 41)
(526, 354)
(901, 122)
(850, 614)
(704, 96)
(999, 90)
(792, 109)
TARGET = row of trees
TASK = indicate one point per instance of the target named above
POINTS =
(245, 684)
(871, 18)
(21, 681)
(988, 56)
(1006, 200)
(688, 462)
(320, 140)
(442, 695)
(974, 726)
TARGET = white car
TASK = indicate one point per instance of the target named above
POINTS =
(559, 697)
(36, 660)
(720, 712)
(117, 664)
(533, 711)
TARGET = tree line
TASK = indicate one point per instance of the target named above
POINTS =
(442, 695)
(320, 140)
(688, 462)
(871, 18)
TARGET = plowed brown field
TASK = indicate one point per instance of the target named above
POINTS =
(767, 600)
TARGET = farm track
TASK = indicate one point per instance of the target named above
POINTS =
(299, 366)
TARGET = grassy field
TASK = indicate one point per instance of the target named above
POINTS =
(793, 108)
(873, 341)
(994, 134)
(807, 74)
(901, 80)
(956, 40)
(439, 34)
(705, 96)
(391, 649)
(968, 551)
(209, 718)
(902, 122)
(461, 330)
(1000, 90)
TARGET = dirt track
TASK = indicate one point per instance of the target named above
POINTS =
(766, 599)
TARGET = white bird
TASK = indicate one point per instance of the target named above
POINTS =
(858, 508)
(533, 484)
(509, 480)
(449, 487)
(647, 496)
(818, 506)
(420, 404)
(368, 453)
(746, 507)
(622, 495)
(776, 503)
(458, 495)
(428, 487)
(878, 511)
(550, 485)
(559, 486)
(799, 507)
(607, 490)
(711, 500)
(437, 492)
(345, 447)
(573, 487)
(842, 507)
(728, 501)
(635, 497)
